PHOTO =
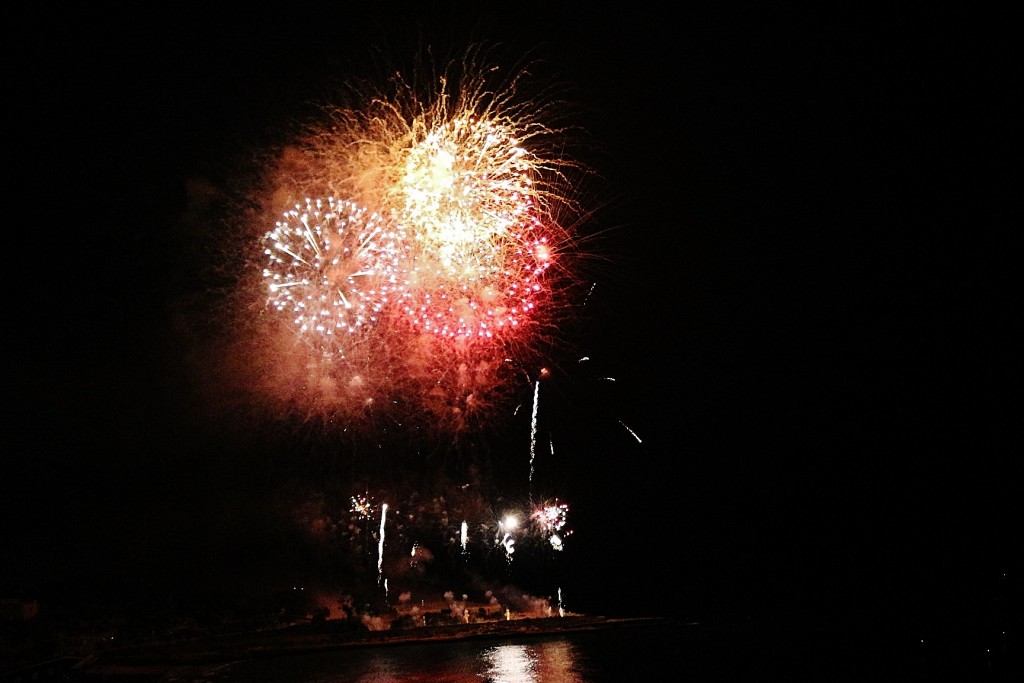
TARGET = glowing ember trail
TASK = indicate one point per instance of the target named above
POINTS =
(533, 432)
(630, 431)
(380, 543)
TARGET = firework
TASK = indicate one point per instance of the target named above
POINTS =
(467, 194)
(398, 261)
(550, 520)
(361, 508)
(420, 247)
(331, 268)
(466, 184)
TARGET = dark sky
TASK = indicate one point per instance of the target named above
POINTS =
(807, 300)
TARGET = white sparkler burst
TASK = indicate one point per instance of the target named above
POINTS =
(466, 185)
(333, 266)
(361, 506)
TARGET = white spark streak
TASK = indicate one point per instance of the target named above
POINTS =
(630, 431)
(380, 543)
(533, 431)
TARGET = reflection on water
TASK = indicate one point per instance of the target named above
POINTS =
(550, 662)
(590, 657)
(510, 664)
(382, 669)
(671, 651)
(537, 662)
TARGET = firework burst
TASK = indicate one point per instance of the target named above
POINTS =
(420, 247)
(332, 267)
(467, 187)
(395, 260)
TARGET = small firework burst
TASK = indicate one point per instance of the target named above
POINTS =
(332, 267)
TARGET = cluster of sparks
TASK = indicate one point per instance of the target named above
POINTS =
(544, 522)
(331, 268)
(416, 256)
(482, 248)
(552, 518)
(463, 258)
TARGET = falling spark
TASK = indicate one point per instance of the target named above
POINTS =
(465, 533)
(630, 431)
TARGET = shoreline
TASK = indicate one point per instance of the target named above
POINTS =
(157, 658)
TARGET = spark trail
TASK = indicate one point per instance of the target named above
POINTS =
(631, 432)
(380, 543)
(533, 433)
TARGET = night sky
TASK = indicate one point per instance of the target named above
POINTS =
(804, 294)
